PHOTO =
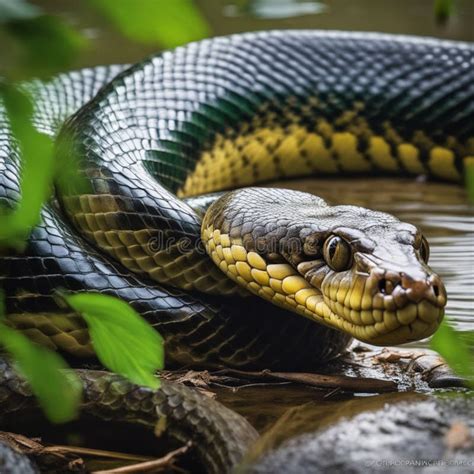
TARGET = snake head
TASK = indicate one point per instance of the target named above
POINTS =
(373, 276)
(363, 272)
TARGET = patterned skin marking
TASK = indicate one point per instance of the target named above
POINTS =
(410, 158)
(442, 164)
(62, 331)
(140, 157)
(179, 264)
(278, 283)
(272, 151)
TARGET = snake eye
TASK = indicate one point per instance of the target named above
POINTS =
(337, 253)
(424, 250)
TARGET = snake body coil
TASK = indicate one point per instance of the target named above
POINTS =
(219, 436)
(226, 113)
(230, 112)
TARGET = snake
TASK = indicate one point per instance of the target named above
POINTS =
(156, 198)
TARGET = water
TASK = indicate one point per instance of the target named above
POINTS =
(235, 16)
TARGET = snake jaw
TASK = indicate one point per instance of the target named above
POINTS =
(351, 301)
(359, 271)
(377, 305)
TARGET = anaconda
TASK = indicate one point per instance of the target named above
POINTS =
(226, 113)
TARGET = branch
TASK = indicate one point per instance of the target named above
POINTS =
(157, 464)
(343, 382)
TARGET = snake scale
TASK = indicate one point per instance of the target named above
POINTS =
(157, 143)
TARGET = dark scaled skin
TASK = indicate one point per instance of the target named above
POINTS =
(219, 436)
(198, 330)
(146, 130)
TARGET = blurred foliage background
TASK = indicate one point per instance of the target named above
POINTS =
(122, 31)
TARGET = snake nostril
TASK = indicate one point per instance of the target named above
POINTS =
(387, 286)
(436, 290)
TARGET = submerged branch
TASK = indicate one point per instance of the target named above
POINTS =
(150, 466)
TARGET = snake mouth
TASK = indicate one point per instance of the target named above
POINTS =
(380, 306)
(374, 307)
(362, 272)
(382, 327)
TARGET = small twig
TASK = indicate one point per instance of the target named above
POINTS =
(250, 385)
(100, 453)
(58, 460)
(343, 382)
(332, 392)
(165, 461)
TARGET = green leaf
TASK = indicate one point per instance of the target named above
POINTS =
(58, 392)
(168, 23)
(48, 45)
(37, 169)
(443, 9)
(453, 347)
(123, 341)
(469, 178)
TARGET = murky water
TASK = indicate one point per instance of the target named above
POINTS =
(235, 16)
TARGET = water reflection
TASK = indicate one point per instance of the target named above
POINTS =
(273, 9)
